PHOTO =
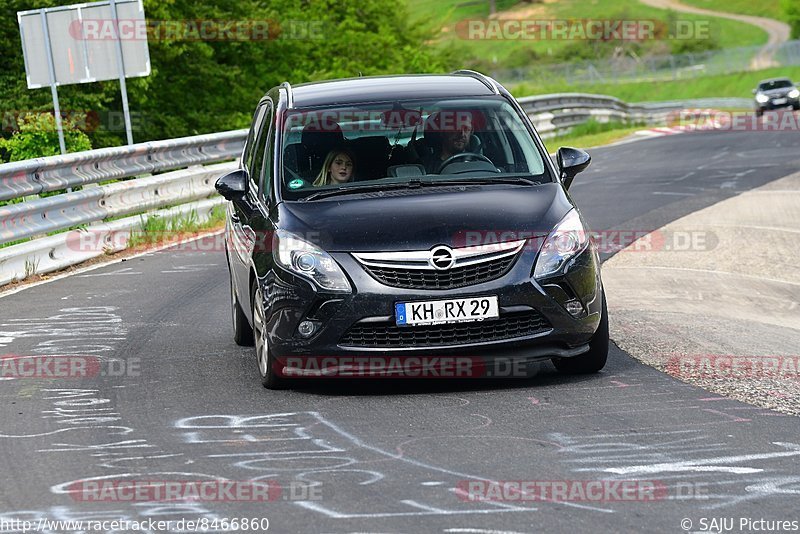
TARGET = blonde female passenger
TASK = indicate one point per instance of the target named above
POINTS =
(337, 169)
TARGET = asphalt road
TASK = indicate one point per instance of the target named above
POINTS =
(390, 456)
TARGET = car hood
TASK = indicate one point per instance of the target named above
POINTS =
(421, 219)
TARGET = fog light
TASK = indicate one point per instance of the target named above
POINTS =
(574, 307)
(306, 328)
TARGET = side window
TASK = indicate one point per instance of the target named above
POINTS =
(266, 173)
(262, 160)
(249, 148)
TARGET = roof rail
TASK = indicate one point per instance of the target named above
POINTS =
(289, 95)
(485, 80)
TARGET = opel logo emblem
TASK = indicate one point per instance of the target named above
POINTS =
(442, 258)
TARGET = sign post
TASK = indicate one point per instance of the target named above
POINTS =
(70, 44)
(121, 69)
(52, 70)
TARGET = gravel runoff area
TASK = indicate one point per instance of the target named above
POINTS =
(713, 298)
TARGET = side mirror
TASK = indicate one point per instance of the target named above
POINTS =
(571, 161)
(233, 186)
(755, 91)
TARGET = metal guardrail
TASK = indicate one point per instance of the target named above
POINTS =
(66, 249)
(203, 154)
(92, 204)
(556, 114)
(42, 175)
(43, 215)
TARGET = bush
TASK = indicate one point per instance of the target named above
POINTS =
(791, 13)
(37, 137)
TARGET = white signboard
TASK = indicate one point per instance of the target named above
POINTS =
(83, 42)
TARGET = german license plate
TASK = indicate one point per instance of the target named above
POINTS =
(779, 101)
(446, 311)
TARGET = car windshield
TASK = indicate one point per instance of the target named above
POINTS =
(389, 145)
(775, 84)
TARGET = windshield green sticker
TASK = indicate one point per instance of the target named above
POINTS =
(296, 184)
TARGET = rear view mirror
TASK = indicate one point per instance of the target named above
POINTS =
(571, 161)
(233, 186)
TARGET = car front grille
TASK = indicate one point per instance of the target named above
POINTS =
(456, 277)
(415, 270)
(388, 335)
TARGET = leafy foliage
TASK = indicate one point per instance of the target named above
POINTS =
(791, 13)
(37, 137)
(201, 86)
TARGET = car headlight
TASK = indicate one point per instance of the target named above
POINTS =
(794, 93)
(308, 261)
(761, 98)
(566, 240)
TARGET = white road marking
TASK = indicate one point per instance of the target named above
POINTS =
(705, 465)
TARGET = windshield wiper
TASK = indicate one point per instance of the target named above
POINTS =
(355, 189)
(515, 180)
(415, 183)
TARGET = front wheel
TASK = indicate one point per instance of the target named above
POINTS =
(266, 362)
(593, 360)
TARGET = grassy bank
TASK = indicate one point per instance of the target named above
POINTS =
(591, 134)
(730, 85)
(155, 230)
(762, 8)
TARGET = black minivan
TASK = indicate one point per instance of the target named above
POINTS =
(408, 226)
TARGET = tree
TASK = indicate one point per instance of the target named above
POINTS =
(202, 86)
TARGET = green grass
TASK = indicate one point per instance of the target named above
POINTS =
(730, 85)
(488, 54)
(155, 228)
(441, 12)
(592, 134)
(728, 33)
(760, 8)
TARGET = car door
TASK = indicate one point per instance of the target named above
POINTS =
(258, 193)
(242, 236)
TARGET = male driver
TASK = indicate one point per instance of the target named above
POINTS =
(447, 134)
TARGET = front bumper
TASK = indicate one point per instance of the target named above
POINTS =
(290, 300)
(772, 104)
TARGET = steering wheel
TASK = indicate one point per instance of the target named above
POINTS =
(468, 156)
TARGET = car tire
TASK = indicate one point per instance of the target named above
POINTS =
(593, 360)
(242, 331)
(264, 358)
(759, 112)
(796, 107)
